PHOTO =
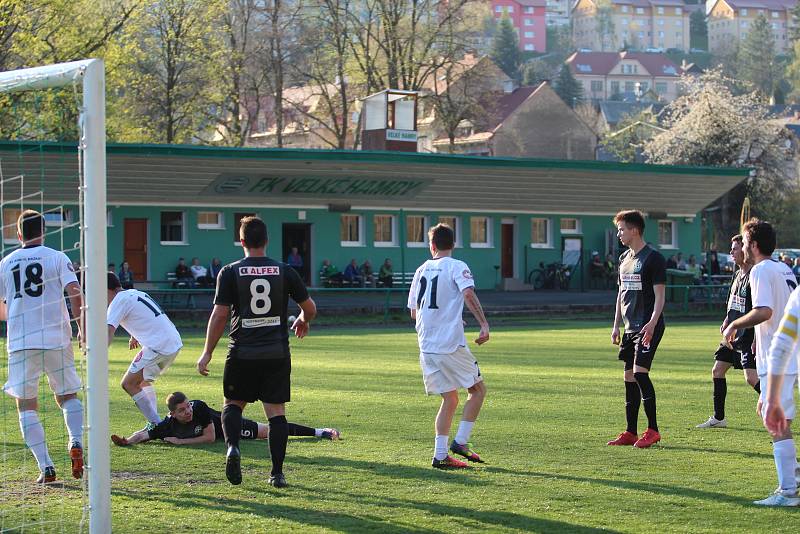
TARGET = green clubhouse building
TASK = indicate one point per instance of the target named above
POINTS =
(170, 202)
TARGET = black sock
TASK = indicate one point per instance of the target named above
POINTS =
(278, 436)
(720, 391)
(648, 398)
(633, 399)
(757, 387)
(300, 430)
(231, 424)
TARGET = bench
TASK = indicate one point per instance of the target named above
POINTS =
(402, 279)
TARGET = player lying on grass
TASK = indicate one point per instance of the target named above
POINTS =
(193, 422)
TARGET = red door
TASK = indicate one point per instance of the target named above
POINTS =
(507, 251)
(136, 247)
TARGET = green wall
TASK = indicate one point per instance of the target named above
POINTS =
(325, 236)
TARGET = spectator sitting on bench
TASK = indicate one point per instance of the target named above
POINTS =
(183, 275)
(385, 273)
(367, 274)
(329, 274)
(352, 274)
(126, 276)
(200, 273)
(694, 268)
(216, 267)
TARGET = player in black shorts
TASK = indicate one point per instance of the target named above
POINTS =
(191, 422)
(255, 291)
(738, 354)
(640, 301)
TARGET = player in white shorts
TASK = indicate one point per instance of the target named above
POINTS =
(771, 284)
(153, 332)
(439, 290)
(34, 279)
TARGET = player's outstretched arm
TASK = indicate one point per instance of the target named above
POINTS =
(216, 327)
(752, 318)
(474, 305)
(208, 436)
(308, 311)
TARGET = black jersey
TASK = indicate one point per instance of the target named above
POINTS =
(638, 273)
(258, 290)
(740, 302)
(202, 416)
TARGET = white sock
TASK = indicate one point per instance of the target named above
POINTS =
(464, 430)
(145, 401)
(785, 463)
(440, 447)
(73, 418)
(318, 432)
(33, 434)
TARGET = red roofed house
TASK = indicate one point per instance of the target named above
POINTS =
(610, 75)
(529, 122)
(730, 20)
(528, 17)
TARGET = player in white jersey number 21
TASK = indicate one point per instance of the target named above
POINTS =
(34, 279)
(439, 290)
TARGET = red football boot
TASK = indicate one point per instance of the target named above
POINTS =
(648, 439)
(626, 438)
(448, 463)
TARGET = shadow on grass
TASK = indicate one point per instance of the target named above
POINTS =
(742, 453)
(336, 521)
(488, 518)
(663, 489)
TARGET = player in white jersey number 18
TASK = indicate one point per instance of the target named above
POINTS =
(34, 279)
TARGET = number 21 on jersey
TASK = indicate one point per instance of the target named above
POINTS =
(423, 287)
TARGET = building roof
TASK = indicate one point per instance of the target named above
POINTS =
(508, 103)
(532, 3)
(614, 112)
(602, 63)
(776, 5)
(169, 175)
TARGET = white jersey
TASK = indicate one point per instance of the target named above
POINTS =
(436, 294)
(33, 283)
(783, 351)
(771, 283)
(143, 319)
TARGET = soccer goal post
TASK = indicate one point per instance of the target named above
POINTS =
(89, 75)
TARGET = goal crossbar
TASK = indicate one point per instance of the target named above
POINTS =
(90, 73)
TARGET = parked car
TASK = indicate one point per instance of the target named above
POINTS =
(791, 252)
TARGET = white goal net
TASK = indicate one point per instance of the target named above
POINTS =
(66, 182)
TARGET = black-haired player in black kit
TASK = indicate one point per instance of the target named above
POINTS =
(255, 291)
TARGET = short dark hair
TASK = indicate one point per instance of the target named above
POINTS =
(762, 233)
(30, 225)
(113, 281)
(738, 238)
(442, 237)
(253, 232)
(174, 399)
(633, 218)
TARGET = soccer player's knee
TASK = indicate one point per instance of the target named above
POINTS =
(450, 399)
(478, 390)
(717, 372)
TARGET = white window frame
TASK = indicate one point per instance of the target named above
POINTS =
(624, 9)
(529, 35)
(425, 226)
(393, 222)
(548, 233)
(220, 225)
(660, 10)
(360, 242)
(679, 11)
(529, 47)
(528, 10)
(183, 240)
(775, 15)
(489, 241)
(509, 9)
(498, 9)
(640, 11)
(109, 218)
(51, 217)
(569, 231)
(459, 238)
(743, 12)
(528, 22)
(674, 244)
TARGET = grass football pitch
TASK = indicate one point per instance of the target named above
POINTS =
(555, 398)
